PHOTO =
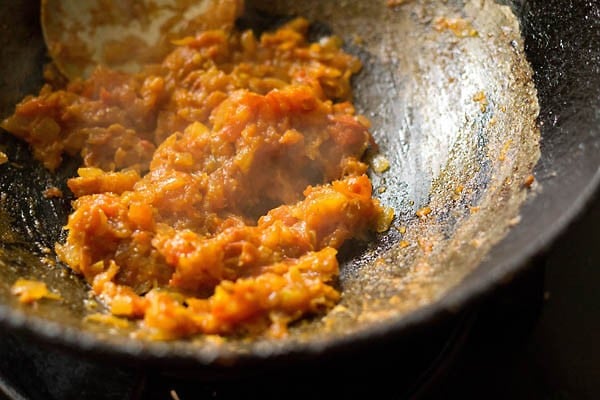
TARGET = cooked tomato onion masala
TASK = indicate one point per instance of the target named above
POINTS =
(216, 186)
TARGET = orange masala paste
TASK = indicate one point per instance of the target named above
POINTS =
(216, 186)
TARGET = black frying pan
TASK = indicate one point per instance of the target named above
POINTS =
(468, 161)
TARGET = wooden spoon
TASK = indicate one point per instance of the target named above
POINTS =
(125, 34)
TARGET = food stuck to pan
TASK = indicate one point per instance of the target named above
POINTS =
(216, 186)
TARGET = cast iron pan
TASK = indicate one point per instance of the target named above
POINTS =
(458, 118)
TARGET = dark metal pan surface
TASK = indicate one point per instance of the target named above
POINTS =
(467, 157)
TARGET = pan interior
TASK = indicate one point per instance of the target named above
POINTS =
(453, 109)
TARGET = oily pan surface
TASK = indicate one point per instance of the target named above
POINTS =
(453, 109)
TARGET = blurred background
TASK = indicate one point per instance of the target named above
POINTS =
(558, 355)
